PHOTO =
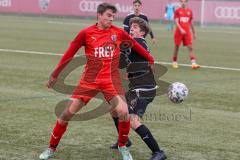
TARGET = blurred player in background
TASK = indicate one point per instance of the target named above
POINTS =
(184, 24)
(169, 15)
(101, 74)
(142, 88)
(137, 4)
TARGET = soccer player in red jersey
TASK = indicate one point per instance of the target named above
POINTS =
(184, 24)
(101, 74)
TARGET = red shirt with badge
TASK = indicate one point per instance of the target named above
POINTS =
(102, 51)
(185, 17)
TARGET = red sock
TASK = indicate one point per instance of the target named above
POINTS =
(124, 128)
(174, 59)
(192, 58)
(57, 133)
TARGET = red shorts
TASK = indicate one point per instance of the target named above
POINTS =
(179, 38)
(87, 90)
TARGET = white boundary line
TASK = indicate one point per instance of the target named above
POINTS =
(29, 52)
(55, 54)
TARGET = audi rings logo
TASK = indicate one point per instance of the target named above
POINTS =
(227, 12)
(89, 6)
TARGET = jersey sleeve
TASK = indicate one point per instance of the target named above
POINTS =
(138, 48)
(143, 43)
(74, 46)
(122, 61)
(176, 14)
(191, 16)
(126, 24)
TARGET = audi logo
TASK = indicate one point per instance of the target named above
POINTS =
(89, 6)
(227, 12)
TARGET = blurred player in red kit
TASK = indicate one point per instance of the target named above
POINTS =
(101, 74)
(184, 24)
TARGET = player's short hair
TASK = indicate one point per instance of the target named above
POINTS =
(137, 1)
(105, 6)
(143, 25)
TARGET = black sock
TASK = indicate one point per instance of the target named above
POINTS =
(147, 137)
(115, 119)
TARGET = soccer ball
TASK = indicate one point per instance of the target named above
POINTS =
(177, 92)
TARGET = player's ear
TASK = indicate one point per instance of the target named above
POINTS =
(99, 15)
(142, 33)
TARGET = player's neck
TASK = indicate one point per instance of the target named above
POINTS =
(138, 36)
(137, 13)
(184, 7)
(101, 26)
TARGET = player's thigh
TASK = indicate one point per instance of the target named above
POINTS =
(110, 89)
(71, 108)
(187, 40)
(178, 38)
(119, 105)
(76, 105)
(136, 105)
(85, 91)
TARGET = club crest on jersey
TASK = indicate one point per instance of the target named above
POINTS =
(43, 4)
(114, 37)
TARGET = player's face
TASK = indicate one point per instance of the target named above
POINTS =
(105, 19)
(136, 8)
(183, 3)
(135, 31)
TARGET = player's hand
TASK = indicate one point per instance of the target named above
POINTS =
(194, 36)
(51, 82)
(183, 31)
(153, 40)
(152, 67)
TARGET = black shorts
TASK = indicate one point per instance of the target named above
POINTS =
(137, 103)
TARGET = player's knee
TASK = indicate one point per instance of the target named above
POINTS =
(190, 48)
(123, 114)
(135, 121)
(62, 122)
(75, 105)
(66, 115)
(114, 113)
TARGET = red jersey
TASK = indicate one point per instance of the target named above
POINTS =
(102, 50)
(185, 17)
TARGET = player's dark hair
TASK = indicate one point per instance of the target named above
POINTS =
(143, 25)
(137, 1)
(105, 6)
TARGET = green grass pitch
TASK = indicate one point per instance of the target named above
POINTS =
(206, 126)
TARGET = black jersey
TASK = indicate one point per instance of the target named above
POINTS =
(132, 15)
(139, 73)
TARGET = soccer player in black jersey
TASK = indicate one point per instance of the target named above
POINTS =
(142, 87)
(137, 13)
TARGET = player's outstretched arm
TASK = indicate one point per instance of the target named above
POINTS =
(67, 57)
